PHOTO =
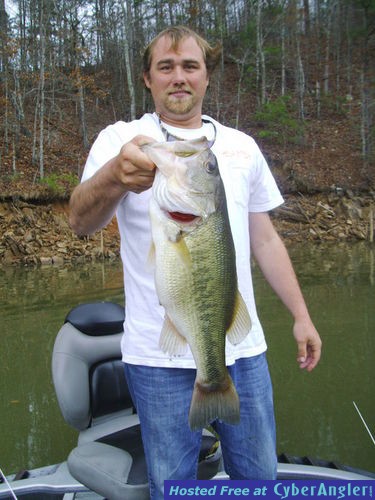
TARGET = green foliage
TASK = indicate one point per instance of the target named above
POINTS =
(335, 105)
(278, 120)
(60, 183)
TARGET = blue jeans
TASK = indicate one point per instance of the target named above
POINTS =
(162, 397)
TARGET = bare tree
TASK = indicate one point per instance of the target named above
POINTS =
(126, 9)
(4, 68)
(42, 31)
(260, 57)
(59, 56)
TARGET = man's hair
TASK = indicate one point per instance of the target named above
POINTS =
(211, 54)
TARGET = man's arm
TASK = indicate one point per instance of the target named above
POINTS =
(94, 201)
(273, 259)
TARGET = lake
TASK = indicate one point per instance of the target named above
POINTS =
(314, 411)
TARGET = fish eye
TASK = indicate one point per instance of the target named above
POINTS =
(211, 166)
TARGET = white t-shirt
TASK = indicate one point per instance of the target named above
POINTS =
(249, 187)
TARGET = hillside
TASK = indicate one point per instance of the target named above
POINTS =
(329, 194)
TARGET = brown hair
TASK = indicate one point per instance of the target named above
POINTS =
(211, 54)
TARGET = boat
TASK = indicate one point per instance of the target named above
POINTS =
(108, 460)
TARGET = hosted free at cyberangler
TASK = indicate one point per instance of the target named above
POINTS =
(331, 489)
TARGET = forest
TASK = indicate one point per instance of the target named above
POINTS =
(298, 75)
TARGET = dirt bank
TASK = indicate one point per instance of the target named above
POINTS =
(39, 234)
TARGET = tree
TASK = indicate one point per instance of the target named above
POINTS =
(85, 55)
(127, 42)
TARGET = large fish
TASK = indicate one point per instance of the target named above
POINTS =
(195, 272)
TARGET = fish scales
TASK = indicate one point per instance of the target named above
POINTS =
(212, 292)
(195, 272)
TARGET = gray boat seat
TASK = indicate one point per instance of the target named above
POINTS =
(93, 396)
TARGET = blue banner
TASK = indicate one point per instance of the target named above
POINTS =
(270, 490)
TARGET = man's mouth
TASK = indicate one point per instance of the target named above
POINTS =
(179, 93)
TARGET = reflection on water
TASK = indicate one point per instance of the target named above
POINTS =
(33, 306)
(315, 412)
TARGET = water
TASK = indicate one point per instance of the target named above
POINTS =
(315, 412)
(33, 306)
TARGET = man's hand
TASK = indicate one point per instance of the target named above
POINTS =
(132, 167)
(94, 201)
(308, 343)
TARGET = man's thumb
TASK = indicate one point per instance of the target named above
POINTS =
(301, 356)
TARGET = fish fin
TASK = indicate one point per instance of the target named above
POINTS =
(183, 252)
(171, 341)
(241, 322)
(207, 405)
(172, 232)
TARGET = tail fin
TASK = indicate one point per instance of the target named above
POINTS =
(208, 404)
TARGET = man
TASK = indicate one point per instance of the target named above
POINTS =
(117, 178)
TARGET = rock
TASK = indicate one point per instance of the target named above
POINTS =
(57, 260)
(45, 261)
(37, 234)
(8, 257)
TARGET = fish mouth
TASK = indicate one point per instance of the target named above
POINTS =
(181, 217)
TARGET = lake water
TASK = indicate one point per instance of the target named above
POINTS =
(315, 412)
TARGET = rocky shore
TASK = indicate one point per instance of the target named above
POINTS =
(39, 234)
(33, 234)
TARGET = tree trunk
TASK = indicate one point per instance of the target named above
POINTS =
(260, 57)
(367, 98)
(41, 88)
(283, 57)
(300, 80)
(3, 37)
(241, 69)
(129, 76)
(4, 68)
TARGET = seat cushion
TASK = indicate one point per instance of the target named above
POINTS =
(105, 470)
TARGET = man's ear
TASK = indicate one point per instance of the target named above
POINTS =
(146, 79)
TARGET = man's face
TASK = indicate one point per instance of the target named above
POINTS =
(178, 80)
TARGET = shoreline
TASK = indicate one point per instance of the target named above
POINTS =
(38, 233)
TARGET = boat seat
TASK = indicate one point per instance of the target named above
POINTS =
(93, 396)
(106, 470)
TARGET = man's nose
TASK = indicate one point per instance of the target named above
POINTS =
(179, 75)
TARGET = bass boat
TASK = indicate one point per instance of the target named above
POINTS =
(108, 461)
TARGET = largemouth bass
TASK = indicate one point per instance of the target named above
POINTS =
(195, 272)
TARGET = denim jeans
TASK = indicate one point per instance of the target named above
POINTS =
(162, 397)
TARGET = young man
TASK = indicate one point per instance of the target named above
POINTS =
(117, 178)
